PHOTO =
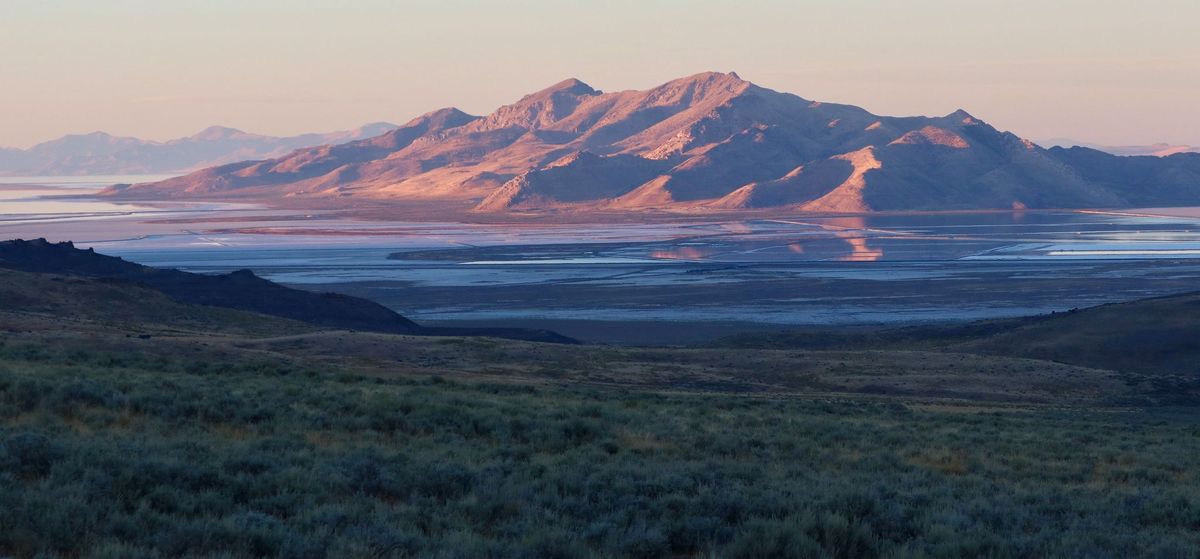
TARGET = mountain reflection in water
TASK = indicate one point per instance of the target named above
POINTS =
(682, 253)
(853, 231)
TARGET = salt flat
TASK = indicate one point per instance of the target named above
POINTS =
(669, 274)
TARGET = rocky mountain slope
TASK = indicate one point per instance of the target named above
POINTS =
(99, 153)
(708, 142)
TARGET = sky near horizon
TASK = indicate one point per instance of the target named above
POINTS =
(1103, 71)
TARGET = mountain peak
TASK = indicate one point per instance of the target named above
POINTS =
(85, 144)
(705, 85)
(962, 116)
(381, 126)
(572, 86)
(89, 136)
(712, 78)
(214, 133)
(449, 117)
(543, 108)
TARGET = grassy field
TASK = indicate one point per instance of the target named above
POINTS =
(131, 454)
(134, 429)
(1159, 335)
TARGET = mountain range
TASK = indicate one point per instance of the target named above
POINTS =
(1161, 149)
(99, 153)
(703, 143)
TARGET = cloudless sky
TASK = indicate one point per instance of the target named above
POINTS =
(1105, 71)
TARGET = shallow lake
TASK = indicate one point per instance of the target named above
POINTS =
(799, 269)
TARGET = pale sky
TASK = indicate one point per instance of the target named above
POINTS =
(1104, 71)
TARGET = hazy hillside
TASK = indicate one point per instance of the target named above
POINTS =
(1160, 149)
(708, 142)
(99, 153)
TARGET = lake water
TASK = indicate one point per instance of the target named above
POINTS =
(794, 270)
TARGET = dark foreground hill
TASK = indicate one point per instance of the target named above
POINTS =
(240, 290)
(1160, 334)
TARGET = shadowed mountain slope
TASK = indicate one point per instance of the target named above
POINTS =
(1156, 335)
(240, 290)
(708, 142)
(1160, 334)
(67, 302)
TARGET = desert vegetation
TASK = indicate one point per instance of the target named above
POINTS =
(144, 454)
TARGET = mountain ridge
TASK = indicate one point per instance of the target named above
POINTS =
(1159, 149)
(702, 143)
(240, 290)
(101, 153)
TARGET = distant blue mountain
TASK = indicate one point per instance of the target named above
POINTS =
(99, 153)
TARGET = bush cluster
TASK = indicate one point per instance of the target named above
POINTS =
(134, 456)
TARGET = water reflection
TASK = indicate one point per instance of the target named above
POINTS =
(737, 228)
(853, 230)
(38, 207)
(860, 252)
(55, 198)
(1019, 211)
(682, 253)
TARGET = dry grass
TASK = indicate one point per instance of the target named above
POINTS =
(905, 374)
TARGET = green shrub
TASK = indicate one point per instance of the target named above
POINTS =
(143, 457)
